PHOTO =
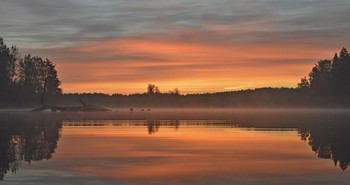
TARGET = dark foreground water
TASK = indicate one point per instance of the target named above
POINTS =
(245, 147)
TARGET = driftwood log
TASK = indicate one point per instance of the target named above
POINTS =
(87, 108)
(84, 108)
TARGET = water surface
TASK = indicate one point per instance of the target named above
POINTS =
(244, 147)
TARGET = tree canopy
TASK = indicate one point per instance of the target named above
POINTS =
(8, 60)
(25, 79)
(330, 78)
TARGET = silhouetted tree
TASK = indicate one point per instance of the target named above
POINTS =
(24, 80)
(304, 83)
(8, 59)
(176, 91)
(320, 75)
(341, 75)
(152, 89)
(329, 80)
(36, 73)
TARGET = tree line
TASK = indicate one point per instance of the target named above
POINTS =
(327, 85)
(24, 81)
(329, 80)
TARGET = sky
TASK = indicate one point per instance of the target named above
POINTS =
(120, 46)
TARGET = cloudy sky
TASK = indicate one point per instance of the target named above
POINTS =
(195, 45)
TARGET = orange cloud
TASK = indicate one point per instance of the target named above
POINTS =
(128, 64)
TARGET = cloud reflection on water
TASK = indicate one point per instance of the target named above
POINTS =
(188, 151)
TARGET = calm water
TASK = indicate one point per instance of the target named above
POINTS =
(244, 147)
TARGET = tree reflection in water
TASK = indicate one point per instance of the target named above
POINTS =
(34, 137)
(26, 138)
(329, 141)
(153, 125)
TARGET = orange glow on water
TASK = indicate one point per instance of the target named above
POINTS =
(174, 154)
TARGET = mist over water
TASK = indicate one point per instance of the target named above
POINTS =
(176, 146)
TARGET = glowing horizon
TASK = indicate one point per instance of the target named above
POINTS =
(190, 67)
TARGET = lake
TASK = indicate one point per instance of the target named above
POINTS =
(176, 146)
